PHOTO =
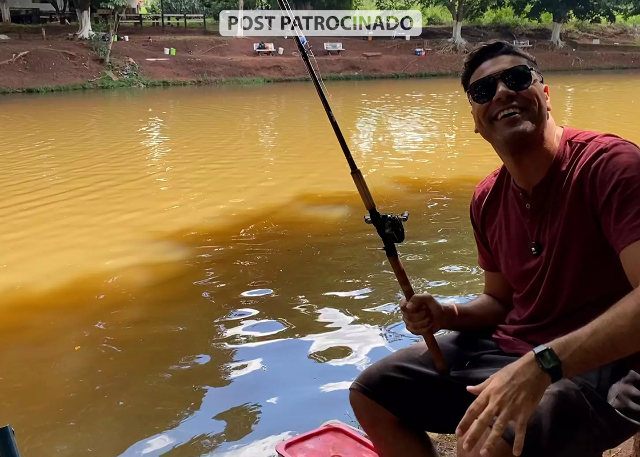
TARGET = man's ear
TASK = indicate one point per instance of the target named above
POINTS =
(547, 96)
(475, 124)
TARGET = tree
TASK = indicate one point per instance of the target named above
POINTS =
(6, 15)
(117, 8)
(564, 10)
(60, 9)
(83, 8)
(461, 10)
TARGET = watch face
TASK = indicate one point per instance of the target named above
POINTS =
(547, 359)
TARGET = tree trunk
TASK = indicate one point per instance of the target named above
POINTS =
(54, 3)
(555, 35)
(458, 17)
(6, 14)
(240, 18)
(107, 58)
(559, 18)
(113, 30)
(84, 19)
(457, 34)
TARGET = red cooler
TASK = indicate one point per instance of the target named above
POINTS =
(330, 440)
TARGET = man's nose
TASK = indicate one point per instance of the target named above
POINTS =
(503, 91)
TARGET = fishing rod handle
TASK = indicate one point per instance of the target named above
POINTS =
(436, 353)
(401, 275)
(363, 189)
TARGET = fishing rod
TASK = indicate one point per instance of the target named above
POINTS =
(388, 226)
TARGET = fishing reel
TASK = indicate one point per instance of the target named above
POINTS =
(389, 226)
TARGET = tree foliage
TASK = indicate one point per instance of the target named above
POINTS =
(586, 10)
(213, 7)
(626, 8)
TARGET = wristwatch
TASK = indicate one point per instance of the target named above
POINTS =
(549, 362)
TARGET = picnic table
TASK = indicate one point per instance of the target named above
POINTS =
(522, 43)
(333, 47)
(264, 48)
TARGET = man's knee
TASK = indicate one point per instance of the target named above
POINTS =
(364, 407)
(358, 402)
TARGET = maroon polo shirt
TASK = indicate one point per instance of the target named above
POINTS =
(583, 213)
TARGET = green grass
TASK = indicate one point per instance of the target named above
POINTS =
(105, 82)
(141, 82)
(436, 15)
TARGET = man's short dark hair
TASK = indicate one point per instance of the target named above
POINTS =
(488, 51)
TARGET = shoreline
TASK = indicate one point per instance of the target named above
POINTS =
(106, 83)
(31, 64)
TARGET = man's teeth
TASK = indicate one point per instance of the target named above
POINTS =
(504, 113)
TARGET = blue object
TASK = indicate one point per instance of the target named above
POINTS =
(8, 446)
(303, 40)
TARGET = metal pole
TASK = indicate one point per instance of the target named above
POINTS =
(389, 227)
(162, 13)
(8, 446)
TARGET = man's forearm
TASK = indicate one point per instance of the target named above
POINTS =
(482, 312)
(610, 337)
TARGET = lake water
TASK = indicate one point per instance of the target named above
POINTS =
(187, 272)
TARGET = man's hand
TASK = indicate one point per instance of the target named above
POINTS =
(423, 314)
(510, 395)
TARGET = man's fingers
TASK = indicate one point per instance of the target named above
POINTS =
(419, 330)
(521, 430)
(473, 412)
(478, 428)
(496, 434)
(477, 390)
(426, 322)
(416, 316)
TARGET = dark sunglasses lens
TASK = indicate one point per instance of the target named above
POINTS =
(483, 90)
(518, 78)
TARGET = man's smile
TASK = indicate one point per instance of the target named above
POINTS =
(509, 112)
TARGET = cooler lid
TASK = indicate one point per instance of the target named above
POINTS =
(331, 440)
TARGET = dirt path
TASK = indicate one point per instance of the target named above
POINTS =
(61, 61)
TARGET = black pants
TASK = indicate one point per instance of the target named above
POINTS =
(577, 417)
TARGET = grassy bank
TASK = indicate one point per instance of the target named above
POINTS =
(140, 82)
(106, 82)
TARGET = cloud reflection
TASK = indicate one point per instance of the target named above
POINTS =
(361, 339)
(259, 448)
(333, 386)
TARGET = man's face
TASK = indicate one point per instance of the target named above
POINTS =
(531, 106)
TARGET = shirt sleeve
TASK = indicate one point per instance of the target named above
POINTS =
(485, 257)
(615, 175)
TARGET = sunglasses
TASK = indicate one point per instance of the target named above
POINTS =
(516, 78)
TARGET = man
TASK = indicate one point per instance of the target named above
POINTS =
(546, 352)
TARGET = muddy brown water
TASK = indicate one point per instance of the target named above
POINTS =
(187, 272)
